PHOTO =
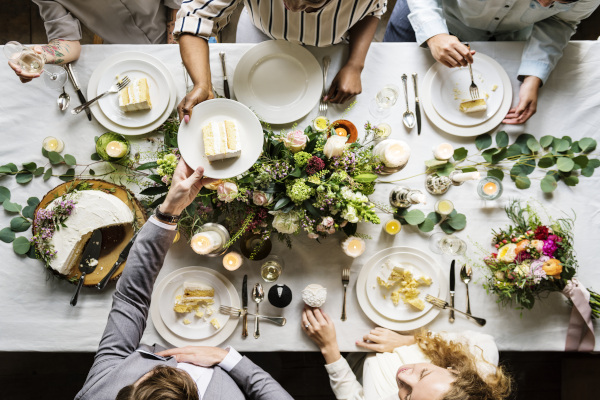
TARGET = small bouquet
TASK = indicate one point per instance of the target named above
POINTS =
(532, 258)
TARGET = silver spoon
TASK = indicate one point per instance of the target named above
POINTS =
(63, 100)
(408, 117)
(257, 295)
(466, 273)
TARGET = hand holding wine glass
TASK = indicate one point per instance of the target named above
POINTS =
(29, 63)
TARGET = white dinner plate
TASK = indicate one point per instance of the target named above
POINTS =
(466, 131)
(378, 318)
(98, 74)
(199, 327)
(179, 341)
(450, 87)
(279, 80)
(380, 298)
(191, 142)
(134, 69)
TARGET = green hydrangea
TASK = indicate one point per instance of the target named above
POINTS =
(338, 177)
(299, 191)
(167, 165)
(301, 158)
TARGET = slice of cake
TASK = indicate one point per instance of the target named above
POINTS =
(136, 96)
(472, 106)
(416, 303)
(196, 289)
(221, 140)
(389, 274)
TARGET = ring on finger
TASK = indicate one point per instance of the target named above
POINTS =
(306, 325)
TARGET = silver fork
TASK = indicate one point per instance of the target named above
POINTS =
(236, 312)
(345, 282)
(323, 104)
(117, 87)
(443, 304)
(473, 89)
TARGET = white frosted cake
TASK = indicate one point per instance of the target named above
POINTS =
(136, 96)
(221, 140)
(94, 209)
(472, 106)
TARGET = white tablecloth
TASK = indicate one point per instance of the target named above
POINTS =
(35, 314)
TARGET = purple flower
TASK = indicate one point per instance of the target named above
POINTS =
(549, 248)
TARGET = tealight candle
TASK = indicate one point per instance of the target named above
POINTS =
(385, 130)
(53, 144)
(465, 176)
(392, 153)
(353, 246)
(116, 149)
(232, 261)
(444, 207)
(341, 132)
(392, 227)
(206, 242)
(489, 188)
(443, 151)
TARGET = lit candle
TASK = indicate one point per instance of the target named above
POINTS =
(444, 207)
(353, 246)
(116, 149)
(392, 153)
(465, 176)
(443, 151)
(206, 242)
(341, 132)
(392, 227)
(232, 261)
(490, 188)
(321, 123)
(53, 144)
(385, 130)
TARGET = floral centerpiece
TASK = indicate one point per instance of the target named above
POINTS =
(303, 181)
(532, 258)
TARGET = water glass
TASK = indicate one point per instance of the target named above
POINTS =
(448, 244)
(384, 100)
(271, 269)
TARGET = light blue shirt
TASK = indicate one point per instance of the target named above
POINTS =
(546, 30)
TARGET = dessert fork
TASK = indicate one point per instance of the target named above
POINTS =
(443, 304)
(345, 282)
(323, 104)
(117, 87)
(473, 89)
(236, 312)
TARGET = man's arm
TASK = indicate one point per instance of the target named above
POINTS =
(195, 54)
(171, 18)
(58, 51)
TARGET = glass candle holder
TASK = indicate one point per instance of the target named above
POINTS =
(210, 240)
(112, 146)
(489, 188)
(392, 227)
(444, 207)
(254, 247)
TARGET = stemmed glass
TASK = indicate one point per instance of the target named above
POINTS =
(448, 244)
(385, 99)
(53, 76)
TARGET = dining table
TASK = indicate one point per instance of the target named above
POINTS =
(35, 314)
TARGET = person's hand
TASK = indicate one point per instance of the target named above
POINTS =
(23, 75)
(184, 188)
(383, 340)
(345, 85)
(196, 96)
(202, 356)
(448, 50)
(528, 95)
(319, 327)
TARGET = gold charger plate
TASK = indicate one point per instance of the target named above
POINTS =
(114, 238)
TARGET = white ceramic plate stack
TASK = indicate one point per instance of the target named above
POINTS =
(445, 88)
(199, 332)
(135, 65)
(381, 310)
(279, 80)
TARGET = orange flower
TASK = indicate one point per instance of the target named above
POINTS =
(552, 267)
(522, 246)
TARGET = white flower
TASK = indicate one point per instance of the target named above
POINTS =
(261, 198)
(327, 222)
(335, 145)
(499, 275)
(522, 270)
(349, 195)
(227, 191)
(350, 214)
(285, 222)
(507, 253)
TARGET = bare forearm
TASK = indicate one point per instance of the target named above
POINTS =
(331, 353)
(171, 17)
(61, 52)
(195, 55)
(361, 36)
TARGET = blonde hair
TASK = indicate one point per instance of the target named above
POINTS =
(164, 383)
(469, 384)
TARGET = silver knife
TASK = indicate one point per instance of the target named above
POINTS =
(452, 283)
(417, 105)
(89, 260)
(122, 258)
(71, 73)
(245, 307)
(225, 82)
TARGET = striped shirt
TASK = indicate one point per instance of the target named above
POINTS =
(325, 27)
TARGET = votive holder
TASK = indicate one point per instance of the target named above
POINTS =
(489, 188)
(223, 235)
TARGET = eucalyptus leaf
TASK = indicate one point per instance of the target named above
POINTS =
(533, 144)
(468, 169)
(21, 245)
(365, 178)
(483, 141)
(594, 163)
(522, 182)
(561, 145)
(39, 171)
(447, 228)
(92, 172)
(548, 184)
(44, 152)
(434, 163)
(47, 174)
(445, 170)
(499, 156)
(546, 161)
(453, 213)
(575, 147)
(19, 224)
(513, 150)
(458, 222)
(588, 171)
(28, 212)
(527, 164)
(502, 139)
(70, 160)
(568, 139)
(460, 154)
(571, 180)
(427, 225)
(68, 175)
(515, 171)
(4, 169)
(522, 142)
(30, 166)
(487, 154)
(11, 207)
(95, 157)
(581, 161)
(23, 177)
(7, 235)
(496, 173)
(414, 217)
(4, 194)
(546, 141)
(55, 158)
(587, 144)
(565, 164)
(32, 253)
(434, 217)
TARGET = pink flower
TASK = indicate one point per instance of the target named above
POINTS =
(260, 198)
(295, 141)
(227, 191)
(327, 222)
(497, 246)
(514, 239)
(313, 236)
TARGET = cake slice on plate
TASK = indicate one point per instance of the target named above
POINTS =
(472, 106)
(136, 96)
(221, 140)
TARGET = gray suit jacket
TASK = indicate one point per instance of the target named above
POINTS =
(118, 364)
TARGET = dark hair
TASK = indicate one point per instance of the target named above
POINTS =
(164, 383)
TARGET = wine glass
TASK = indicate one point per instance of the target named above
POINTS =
(385, 99)
(54, 76)
(271, 269)
(448, 244)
